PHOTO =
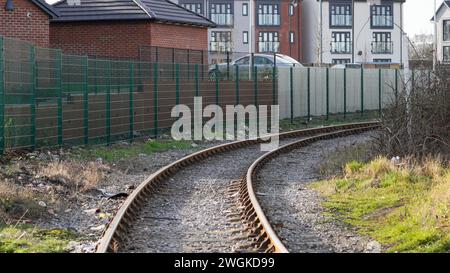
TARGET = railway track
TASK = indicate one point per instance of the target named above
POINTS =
(244, 215)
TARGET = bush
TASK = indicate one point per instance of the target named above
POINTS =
(416, 122)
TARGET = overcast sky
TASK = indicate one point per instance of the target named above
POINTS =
(417, 15)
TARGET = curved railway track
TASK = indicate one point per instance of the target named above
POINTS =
(241, 195)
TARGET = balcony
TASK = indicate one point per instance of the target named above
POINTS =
(222, 19)
(220, 47)
(341, 21)
(382, 47)
(268, 46)
(268, 19)
(341, 47)
(382, 21)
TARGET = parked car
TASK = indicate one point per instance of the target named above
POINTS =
(264, 64)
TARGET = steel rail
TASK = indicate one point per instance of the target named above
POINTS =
(117, 229)
(253, 215)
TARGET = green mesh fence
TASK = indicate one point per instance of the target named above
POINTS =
(50, 99)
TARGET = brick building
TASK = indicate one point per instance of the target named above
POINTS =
(119, 28)
(27, 20)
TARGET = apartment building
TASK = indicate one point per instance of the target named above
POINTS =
(354, 31)
(443, 32)
(274, 26)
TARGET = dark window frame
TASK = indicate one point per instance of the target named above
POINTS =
(382, 60)
(218, 37)
(276, 11)
(291, 37)
(446, 34)
(291, 10)
(374, 11)
(341, 61)
(229, 6)
(245, 37)
(245, 9)
(270, 34)
(336, 37)
(444, 59)
(337, 6)
(382, 37)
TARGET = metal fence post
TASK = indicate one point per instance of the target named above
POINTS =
(196, 80)
(328, 92)
(379, 91)
(173, 63)
(396, 81)
(59, 90)
(309, 92)
(131, 101)
(274, 79)
(108, 103)
(345, 93)
(228, 65)
(255, 88)
(237, 86)
(291, 92)
(362, 91)
(2, 98)
(86, 101)
(155, 99)
(188, 65)
(177, 84)
(33, 96)
(217, 84)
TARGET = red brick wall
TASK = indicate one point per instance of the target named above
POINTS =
(176, 36)
(16, 24)
(103, 39)
(288, 23)
(123, 39)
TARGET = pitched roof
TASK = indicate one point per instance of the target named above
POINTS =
(445, 3)
(46, 7)
(103, 10)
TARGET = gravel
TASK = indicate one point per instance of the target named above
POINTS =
(295, 211)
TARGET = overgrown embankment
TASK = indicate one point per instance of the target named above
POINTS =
(404, 206)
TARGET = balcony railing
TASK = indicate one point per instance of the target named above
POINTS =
(341, 20)
(222, 19)
(268, 19)
(382, 20)
(269, 46)
(341, 47)
(382, 47)
(221, 46)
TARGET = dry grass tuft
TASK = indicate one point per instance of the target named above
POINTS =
(82, 177)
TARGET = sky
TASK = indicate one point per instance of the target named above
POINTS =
(417, 16)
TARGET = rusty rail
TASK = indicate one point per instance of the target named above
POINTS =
(117, 229)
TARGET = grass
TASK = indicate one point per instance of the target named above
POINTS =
(119, 151)
(406, 207)
(16, 201)
(26, 239)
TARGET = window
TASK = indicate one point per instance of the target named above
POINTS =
(262, 61)
(446, 30)
(446, 54)
(382, 60)
(221, 14)
(291, 10)
(340, 15)
(194, 7)
(245, 37)
(382, 43)
(381, 16)
(242, 61)
(341, 43)
(268, 41)
(245, 9)
(268, 15)
(341, 61)
(291, 37)
(221, 41)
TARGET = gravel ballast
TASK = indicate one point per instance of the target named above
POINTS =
(295, 210)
